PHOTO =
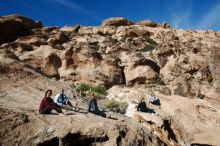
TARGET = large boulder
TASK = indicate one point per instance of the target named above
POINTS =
(138, 69)
(117, 21)
(70, 130)
(165, 25)
(12, 26)
(213, 64)
(147, 23)
(44, 58)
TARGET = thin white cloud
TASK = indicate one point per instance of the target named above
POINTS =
(76, 7)
(182, 19)
(181, 13)
(211, 19)
(72, 5)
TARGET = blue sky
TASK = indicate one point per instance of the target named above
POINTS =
(186, 14)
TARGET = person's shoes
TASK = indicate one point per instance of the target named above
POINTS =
(108, 116)
(152, 113)
(61, 114)
(75, 109)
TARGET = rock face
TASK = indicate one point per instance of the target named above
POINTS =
(13, 26)
(148, 23)
(165, 25)
(117, 21)
(126, 55)
(182, 65)
(48, 130)
(175, 117)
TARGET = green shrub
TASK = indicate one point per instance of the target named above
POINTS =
(147, 48)
(151, 55)
(111, 104)
(115, 106)
(123, 106)
(209, 78)
(98, 95)
(97, 90)
(83, 87)
(151, 41)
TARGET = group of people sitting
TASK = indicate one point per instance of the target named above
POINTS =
(61, 101)
(142, 107)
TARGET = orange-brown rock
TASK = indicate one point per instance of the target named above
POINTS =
(117, 21)
(129, 60)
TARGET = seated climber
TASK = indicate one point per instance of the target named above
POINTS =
(93, 107)
(63, 101)
(47, 104)
(154, 100)
(143, 107)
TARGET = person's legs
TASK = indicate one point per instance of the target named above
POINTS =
(147, 110)
(46, 110)
(157, 102)
(151, 111)
(70, 104)
(98, 112)
(67, 107)
(56, 107)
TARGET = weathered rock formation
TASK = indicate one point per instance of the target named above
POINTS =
(117, 21)
(39, 130)
(148, 23)
(14, 26)
(183, 64)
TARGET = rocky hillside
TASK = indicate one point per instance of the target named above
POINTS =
(130, 59)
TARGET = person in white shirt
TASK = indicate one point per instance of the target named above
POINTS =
(154, 100)
(62, 100)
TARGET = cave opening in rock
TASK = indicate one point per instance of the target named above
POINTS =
(167, 127)
(78, 139)
(197, 144)
(52, 142)
(122, 134)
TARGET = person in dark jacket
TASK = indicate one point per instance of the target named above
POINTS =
(142, 107)
(47, 104)
(93, 107)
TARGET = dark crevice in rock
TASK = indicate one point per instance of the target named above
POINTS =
(150, 63)
(37, 70)
(122, 73)
(192, 71)
(162, 57)
(167, 127)
(122, 135)
(52, 142)
(161, 143)
(209, 75)
(12, 37)
(123, 79)
(96, 55)
(138, 80)
(166, 54)
(197, 144)
(150, 139)
(76, 29)
(77, 139)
